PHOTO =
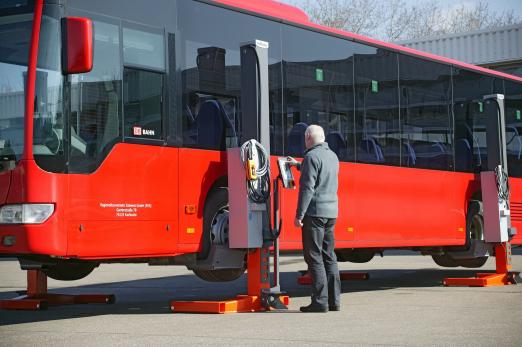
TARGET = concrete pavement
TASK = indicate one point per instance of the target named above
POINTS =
(402, 304)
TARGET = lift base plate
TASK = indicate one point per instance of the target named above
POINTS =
(485, 280)
(241, 304)
(37, 298)
(42, 302)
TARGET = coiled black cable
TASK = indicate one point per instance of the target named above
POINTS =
(502, 183)
(258, 189)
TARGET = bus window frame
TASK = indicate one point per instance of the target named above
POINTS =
(165, 80)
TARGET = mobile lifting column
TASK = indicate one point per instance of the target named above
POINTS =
(37, 297)
(249, 218)
(495, 198)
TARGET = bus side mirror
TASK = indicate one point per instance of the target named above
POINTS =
(77, 45)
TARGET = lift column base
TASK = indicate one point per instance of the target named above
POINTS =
(501, 277)
(306, 279)
(241, 304)
(484, 280)
(37, 297)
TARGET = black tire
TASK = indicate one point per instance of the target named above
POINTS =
(224, 275)
(473, 263)
(475, 231)
(354, 256)
(217, 199)
(444, 260)
(69, 271)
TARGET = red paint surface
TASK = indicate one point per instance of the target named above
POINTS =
(141, 183)
(79, 45)
(386, 206)
(5, 182)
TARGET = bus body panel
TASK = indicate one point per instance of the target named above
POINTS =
(516, 208)
(128, 206)
(198, 171)
(371, 198)
(5, 182)
(30, 184)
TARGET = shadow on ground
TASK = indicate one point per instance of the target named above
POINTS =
(152, 296)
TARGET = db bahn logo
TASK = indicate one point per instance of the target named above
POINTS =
(138, 131)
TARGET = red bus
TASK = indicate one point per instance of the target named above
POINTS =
(127, 162)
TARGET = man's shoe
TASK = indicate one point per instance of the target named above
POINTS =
(334, 308)
(312, 308)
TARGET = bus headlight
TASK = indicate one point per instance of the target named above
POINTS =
(25, 213)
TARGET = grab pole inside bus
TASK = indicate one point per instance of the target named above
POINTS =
(494, 183)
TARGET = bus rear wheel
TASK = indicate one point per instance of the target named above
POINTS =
(444, 260)
(69, 271)
(474, 253)
(476, 234)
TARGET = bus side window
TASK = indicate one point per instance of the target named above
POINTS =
(426, 121)
(95, 102)
(377, 105)
(143, 79)
(142, 104)
(513, 115)
(469, 89)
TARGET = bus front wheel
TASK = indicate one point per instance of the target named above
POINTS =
(69, 271)
(215, 234)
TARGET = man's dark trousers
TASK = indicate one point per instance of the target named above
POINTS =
(318, 249)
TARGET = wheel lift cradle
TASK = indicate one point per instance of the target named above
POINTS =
(497, 222)
(247, 219)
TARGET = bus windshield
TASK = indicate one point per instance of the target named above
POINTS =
(15, 37)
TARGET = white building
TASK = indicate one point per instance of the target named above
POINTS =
(498, 49)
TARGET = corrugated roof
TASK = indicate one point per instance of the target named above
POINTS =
(488, 46)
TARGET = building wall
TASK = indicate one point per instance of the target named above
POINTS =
(499, 49)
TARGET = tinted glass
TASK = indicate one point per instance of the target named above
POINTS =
(469, 89)
(96, 102)
(142, 98)
(513, 116)
(318, 75)
(49, 131)
(426, 119)
(15, 36)
(143, 48)
(377, 104)
(210, 38)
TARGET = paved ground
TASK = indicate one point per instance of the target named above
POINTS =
(402, 304)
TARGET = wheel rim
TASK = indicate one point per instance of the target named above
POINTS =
(219, 227)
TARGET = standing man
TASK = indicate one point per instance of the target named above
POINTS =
(317, 210)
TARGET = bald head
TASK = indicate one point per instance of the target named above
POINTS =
(314, 135)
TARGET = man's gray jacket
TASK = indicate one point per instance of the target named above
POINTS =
(318, 183)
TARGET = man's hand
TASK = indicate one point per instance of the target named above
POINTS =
(293, 162)
(298, 223)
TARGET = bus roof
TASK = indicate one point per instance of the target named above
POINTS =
(292, 15)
